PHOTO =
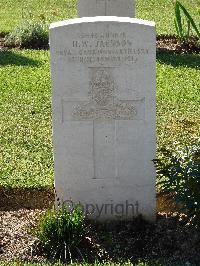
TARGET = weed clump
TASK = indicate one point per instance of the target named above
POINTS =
(179, 175)
(30, 34)
(61, 231)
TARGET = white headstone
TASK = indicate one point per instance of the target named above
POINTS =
(120, 8)
(104, 111)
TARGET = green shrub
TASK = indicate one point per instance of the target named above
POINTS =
(29, 35)
(61, 232)
(184, 31)
(179, 175)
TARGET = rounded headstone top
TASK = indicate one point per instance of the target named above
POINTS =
(103, 19)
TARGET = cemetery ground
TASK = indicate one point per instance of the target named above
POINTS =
(26, 159)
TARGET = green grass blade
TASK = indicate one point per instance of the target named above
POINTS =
(177, 28)
(178, 20)
(189, 18)
(188, 29)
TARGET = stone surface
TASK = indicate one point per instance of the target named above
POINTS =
(104, 109)
(120, 8)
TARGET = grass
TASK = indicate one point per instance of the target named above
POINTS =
(13, 12)
(26, 158)
(162, 12)
(25, 122)
(178, 98)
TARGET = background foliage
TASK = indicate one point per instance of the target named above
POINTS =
(12, 12)
(30, 34)
(179, 176)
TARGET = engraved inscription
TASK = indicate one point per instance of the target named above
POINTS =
(103, 103)
(105, 47)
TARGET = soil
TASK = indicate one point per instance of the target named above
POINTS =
(169, 240)
(170, 44)
(171, 237)
(15, 241)
(2, 41)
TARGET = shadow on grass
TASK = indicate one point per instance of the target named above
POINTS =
(23, 198)
(177, 60)
(11, 58)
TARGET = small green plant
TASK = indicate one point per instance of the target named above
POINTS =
(184, 32)
(179, 175)
(61, 232)
(28, 35)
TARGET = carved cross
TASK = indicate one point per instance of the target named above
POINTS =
(104, 109)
